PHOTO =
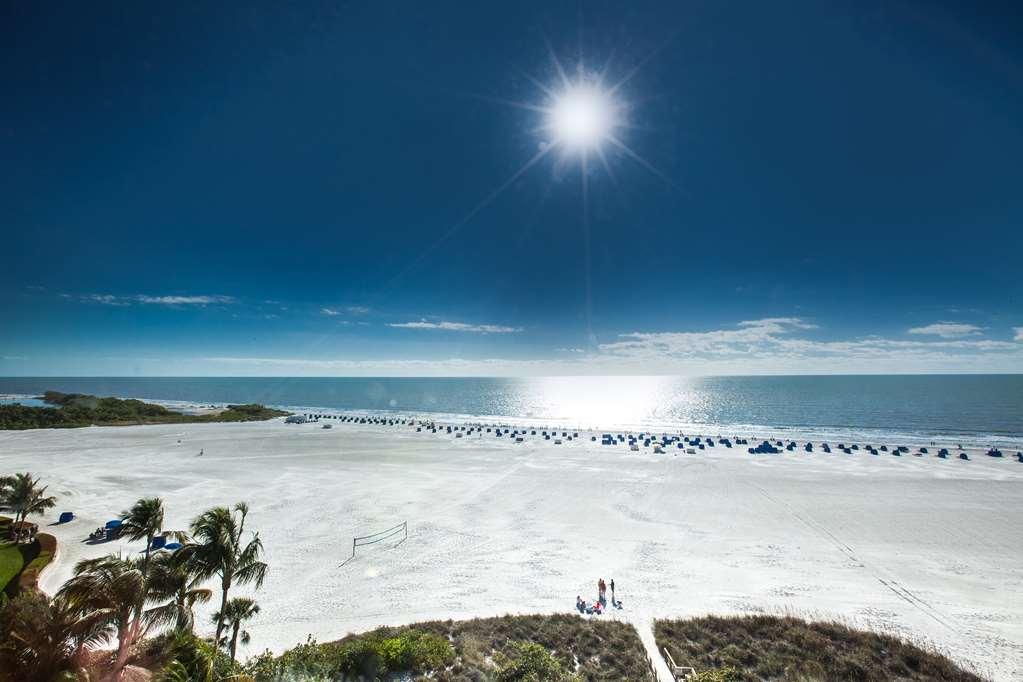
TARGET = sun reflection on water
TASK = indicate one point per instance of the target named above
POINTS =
(609, 400)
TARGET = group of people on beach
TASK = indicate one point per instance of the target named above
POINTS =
(598, 606)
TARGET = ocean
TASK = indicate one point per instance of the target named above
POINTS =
(976, 409)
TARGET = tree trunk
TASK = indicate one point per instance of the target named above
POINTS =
(182, 618)
(123, 649)
(234, 638)
(224, 586)
(145, 559)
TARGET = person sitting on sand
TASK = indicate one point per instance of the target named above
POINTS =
(580, 604)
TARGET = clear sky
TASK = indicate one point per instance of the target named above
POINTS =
(320, 189)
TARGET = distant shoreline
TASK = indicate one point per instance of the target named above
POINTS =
(77, 410)
(946, 409)
(201, 412)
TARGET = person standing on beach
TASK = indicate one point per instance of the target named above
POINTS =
(612, 591)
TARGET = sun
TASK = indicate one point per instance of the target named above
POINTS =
(582, 116)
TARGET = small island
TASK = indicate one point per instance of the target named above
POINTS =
(73, 410)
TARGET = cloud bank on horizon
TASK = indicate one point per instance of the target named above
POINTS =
(770, 345)
(766, 346)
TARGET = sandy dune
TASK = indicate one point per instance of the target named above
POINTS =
(927, 548)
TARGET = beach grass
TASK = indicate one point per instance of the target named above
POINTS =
(488, 648)
(761, 647)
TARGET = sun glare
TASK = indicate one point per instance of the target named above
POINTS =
(582, 116)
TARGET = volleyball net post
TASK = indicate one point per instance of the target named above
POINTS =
(394, 531)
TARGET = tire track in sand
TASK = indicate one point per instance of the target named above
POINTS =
(889, 582)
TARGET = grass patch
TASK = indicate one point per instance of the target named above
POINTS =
(766, 648)
(10, 562)
(20, 564)
(541, 648)
(11, 559)
(46, 548)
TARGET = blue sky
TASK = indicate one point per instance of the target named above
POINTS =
(312, 190)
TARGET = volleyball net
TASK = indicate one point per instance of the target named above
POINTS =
(398, 531)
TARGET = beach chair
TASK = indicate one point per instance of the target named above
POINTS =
(679, 672)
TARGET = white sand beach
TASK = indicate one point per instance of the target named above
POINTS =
(927, 548)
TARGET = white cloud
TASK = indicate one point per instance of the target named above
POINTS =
(105, 299)
(778, 324)
(457, 327)
(749, 335)
(947, 330)
(183, 300)
(770, 345)
(143, 299)
(351, 310)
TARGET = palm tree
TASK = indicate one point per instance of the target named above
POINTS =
(24, 496)
(113, 592)
(145, 521)
(170, 577)
(219, 550)
(44, 637)
(236, 612)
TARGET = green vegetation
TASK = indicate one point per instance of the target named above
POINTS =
(126, 600)
(531, 663)
(22, 494)
(73, 410)
(726, 674)
(371, 656)
(235, 613)
(183, 657)
(220, 550)
(173, 579)
(42, 637)
(37, 555)
(534, 648)
(10, 563)
(767, 648)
